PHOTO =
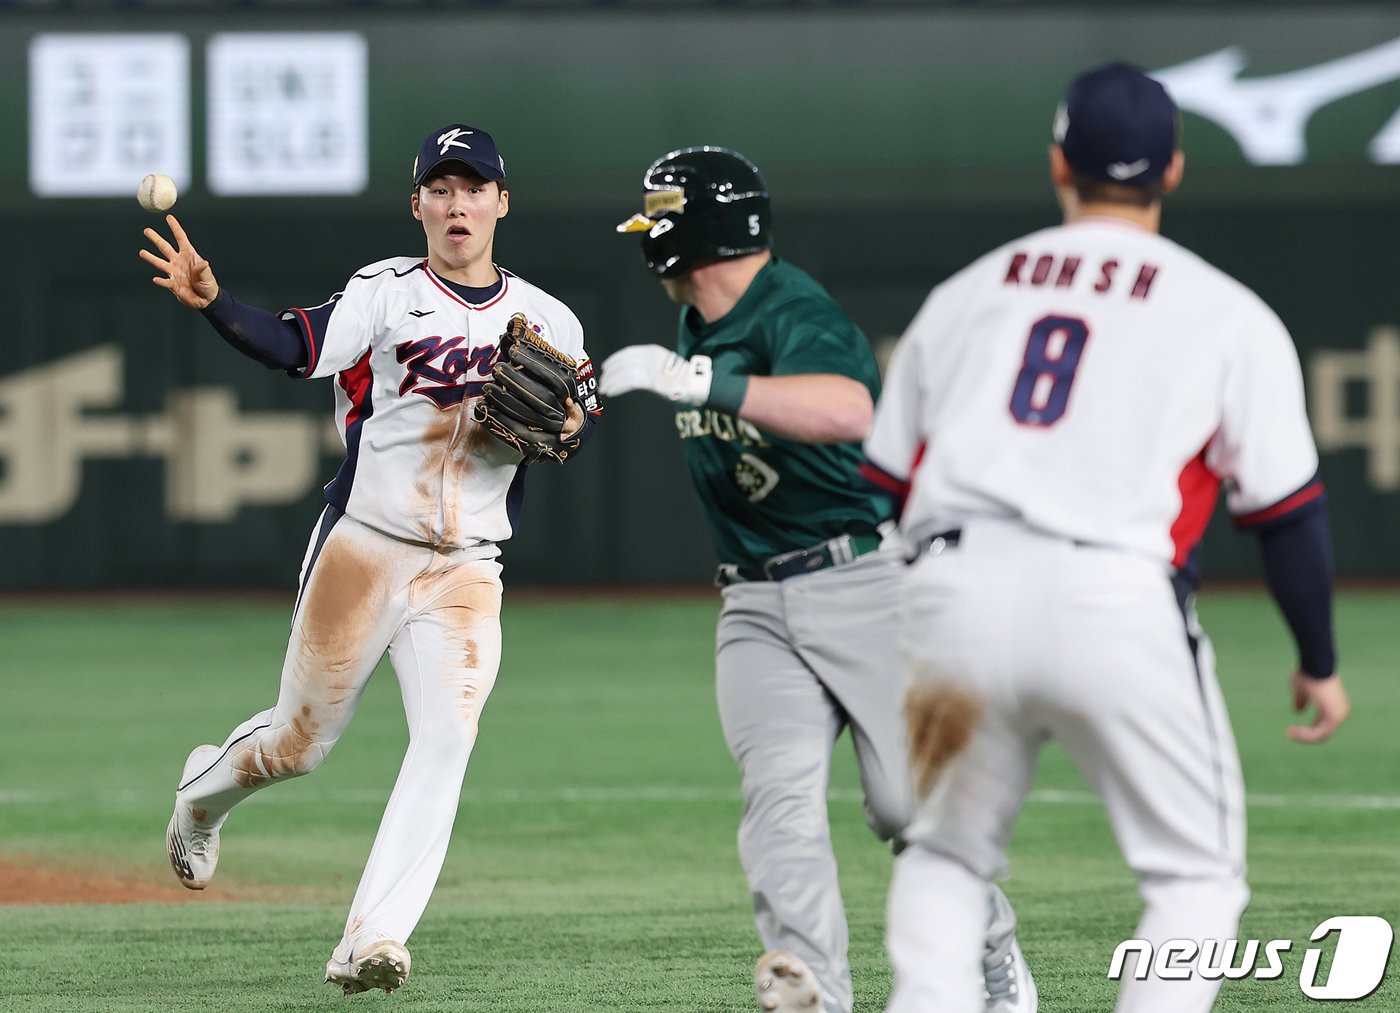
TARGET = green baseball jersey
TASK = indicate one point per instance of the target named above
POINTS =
(764, 494)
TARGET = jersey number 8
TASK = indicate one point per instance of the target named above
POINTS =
(1047, 373)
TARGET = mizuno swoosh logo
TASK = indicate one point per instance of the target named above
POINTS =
(1268, 116)
(419, 313)
(1127, 170)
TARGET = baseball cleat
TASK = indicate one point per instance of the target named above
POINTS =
(1010, 987)
(785, 984)
(384, 965)
(193, 850)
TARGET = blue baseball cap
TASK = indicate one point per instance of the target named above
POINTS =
(458, 142)
(1117, 123)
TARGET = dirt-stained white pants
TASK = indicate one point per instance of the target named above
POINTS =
(1050, 638)
(437, 611)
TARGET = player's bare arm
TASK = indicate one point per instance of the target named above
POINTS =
(1327, 697)
(815, 408)
(812, 407)
(188, 276)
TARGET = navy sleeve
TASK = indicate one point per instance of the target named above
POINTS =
(1297, 554)
(258, 334)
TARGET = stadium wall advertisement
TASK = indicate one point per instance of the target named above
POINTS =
(138, 450)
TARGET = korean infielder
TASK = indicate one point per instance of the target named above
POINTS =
(1061, 415)
(404, 556)
(773, 387)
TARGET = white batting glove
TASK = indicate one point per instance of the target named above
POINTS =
(659, 370)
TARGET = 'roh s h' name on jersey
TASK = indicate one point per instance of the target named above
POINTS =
(1119, 386)
(417, 466)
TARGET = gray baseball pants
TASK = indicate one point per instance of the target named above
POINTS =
(798, 661)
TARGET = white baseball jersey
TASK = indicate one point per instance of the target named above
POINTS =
(1098, 382)
(408, 353)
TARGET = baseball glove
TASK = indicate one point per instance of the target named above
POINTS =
(524, 405)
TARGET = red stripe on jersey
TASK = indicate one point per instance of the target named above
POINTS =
(355, 381)
(918, 460)
(313, 353)
(1199, 488)
(882, 479)
(909, 485)
(891, 483)
(505, 284)
(1288, 504)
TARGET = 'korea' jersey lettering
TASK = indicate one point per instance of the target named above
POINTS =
(1116, 382)
(408, 354)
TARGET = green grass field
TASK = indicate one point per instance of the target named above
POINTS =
(593, 866)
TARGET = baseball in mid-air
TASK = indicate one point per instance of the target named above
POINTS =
(157, 192)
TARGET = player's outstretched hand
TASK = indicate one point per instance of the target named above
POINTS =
(659, 370)
(1329, 697)
(188, 276)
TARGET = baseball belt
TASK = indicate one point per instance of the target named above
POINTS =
(949, 539)
(833, 552)
(935, 543)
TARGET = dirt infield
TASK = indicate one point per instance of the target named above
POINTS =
(22, 883)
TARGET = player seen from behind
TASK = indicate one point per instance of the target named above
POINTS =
(404, 555)
(773, 387)
(1060, 415)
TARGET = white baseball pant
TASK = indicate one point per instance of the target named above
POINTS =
(1091, 647)
(437, 611)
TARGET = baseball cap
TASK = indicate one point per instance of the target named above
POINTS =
(458, 142)
(1117, 123)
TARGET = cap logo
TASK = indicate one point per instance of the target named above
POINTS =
(1127, 170)
(655, 202)
(449, 140)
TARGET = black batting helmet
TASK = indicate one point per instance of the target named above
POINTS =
(701, 204)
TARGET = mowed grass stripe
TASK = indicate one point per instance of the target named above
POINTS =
(667, 794)
(593, 866)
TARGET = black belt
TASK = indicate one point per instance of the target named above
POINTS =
(936, 543)
(833, 552)
(950, 538)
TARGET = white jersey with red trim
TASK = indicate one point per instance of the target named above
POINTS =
(408, 354)
(1098, 382)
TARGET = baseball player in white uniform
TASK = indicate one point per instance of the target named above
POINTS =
(1060, 416)
(404, 556)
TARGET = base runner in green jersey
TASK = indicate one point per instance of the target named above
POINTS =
(774, 389)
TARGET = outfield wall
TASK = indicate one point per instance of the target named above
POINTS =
(136, 449)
